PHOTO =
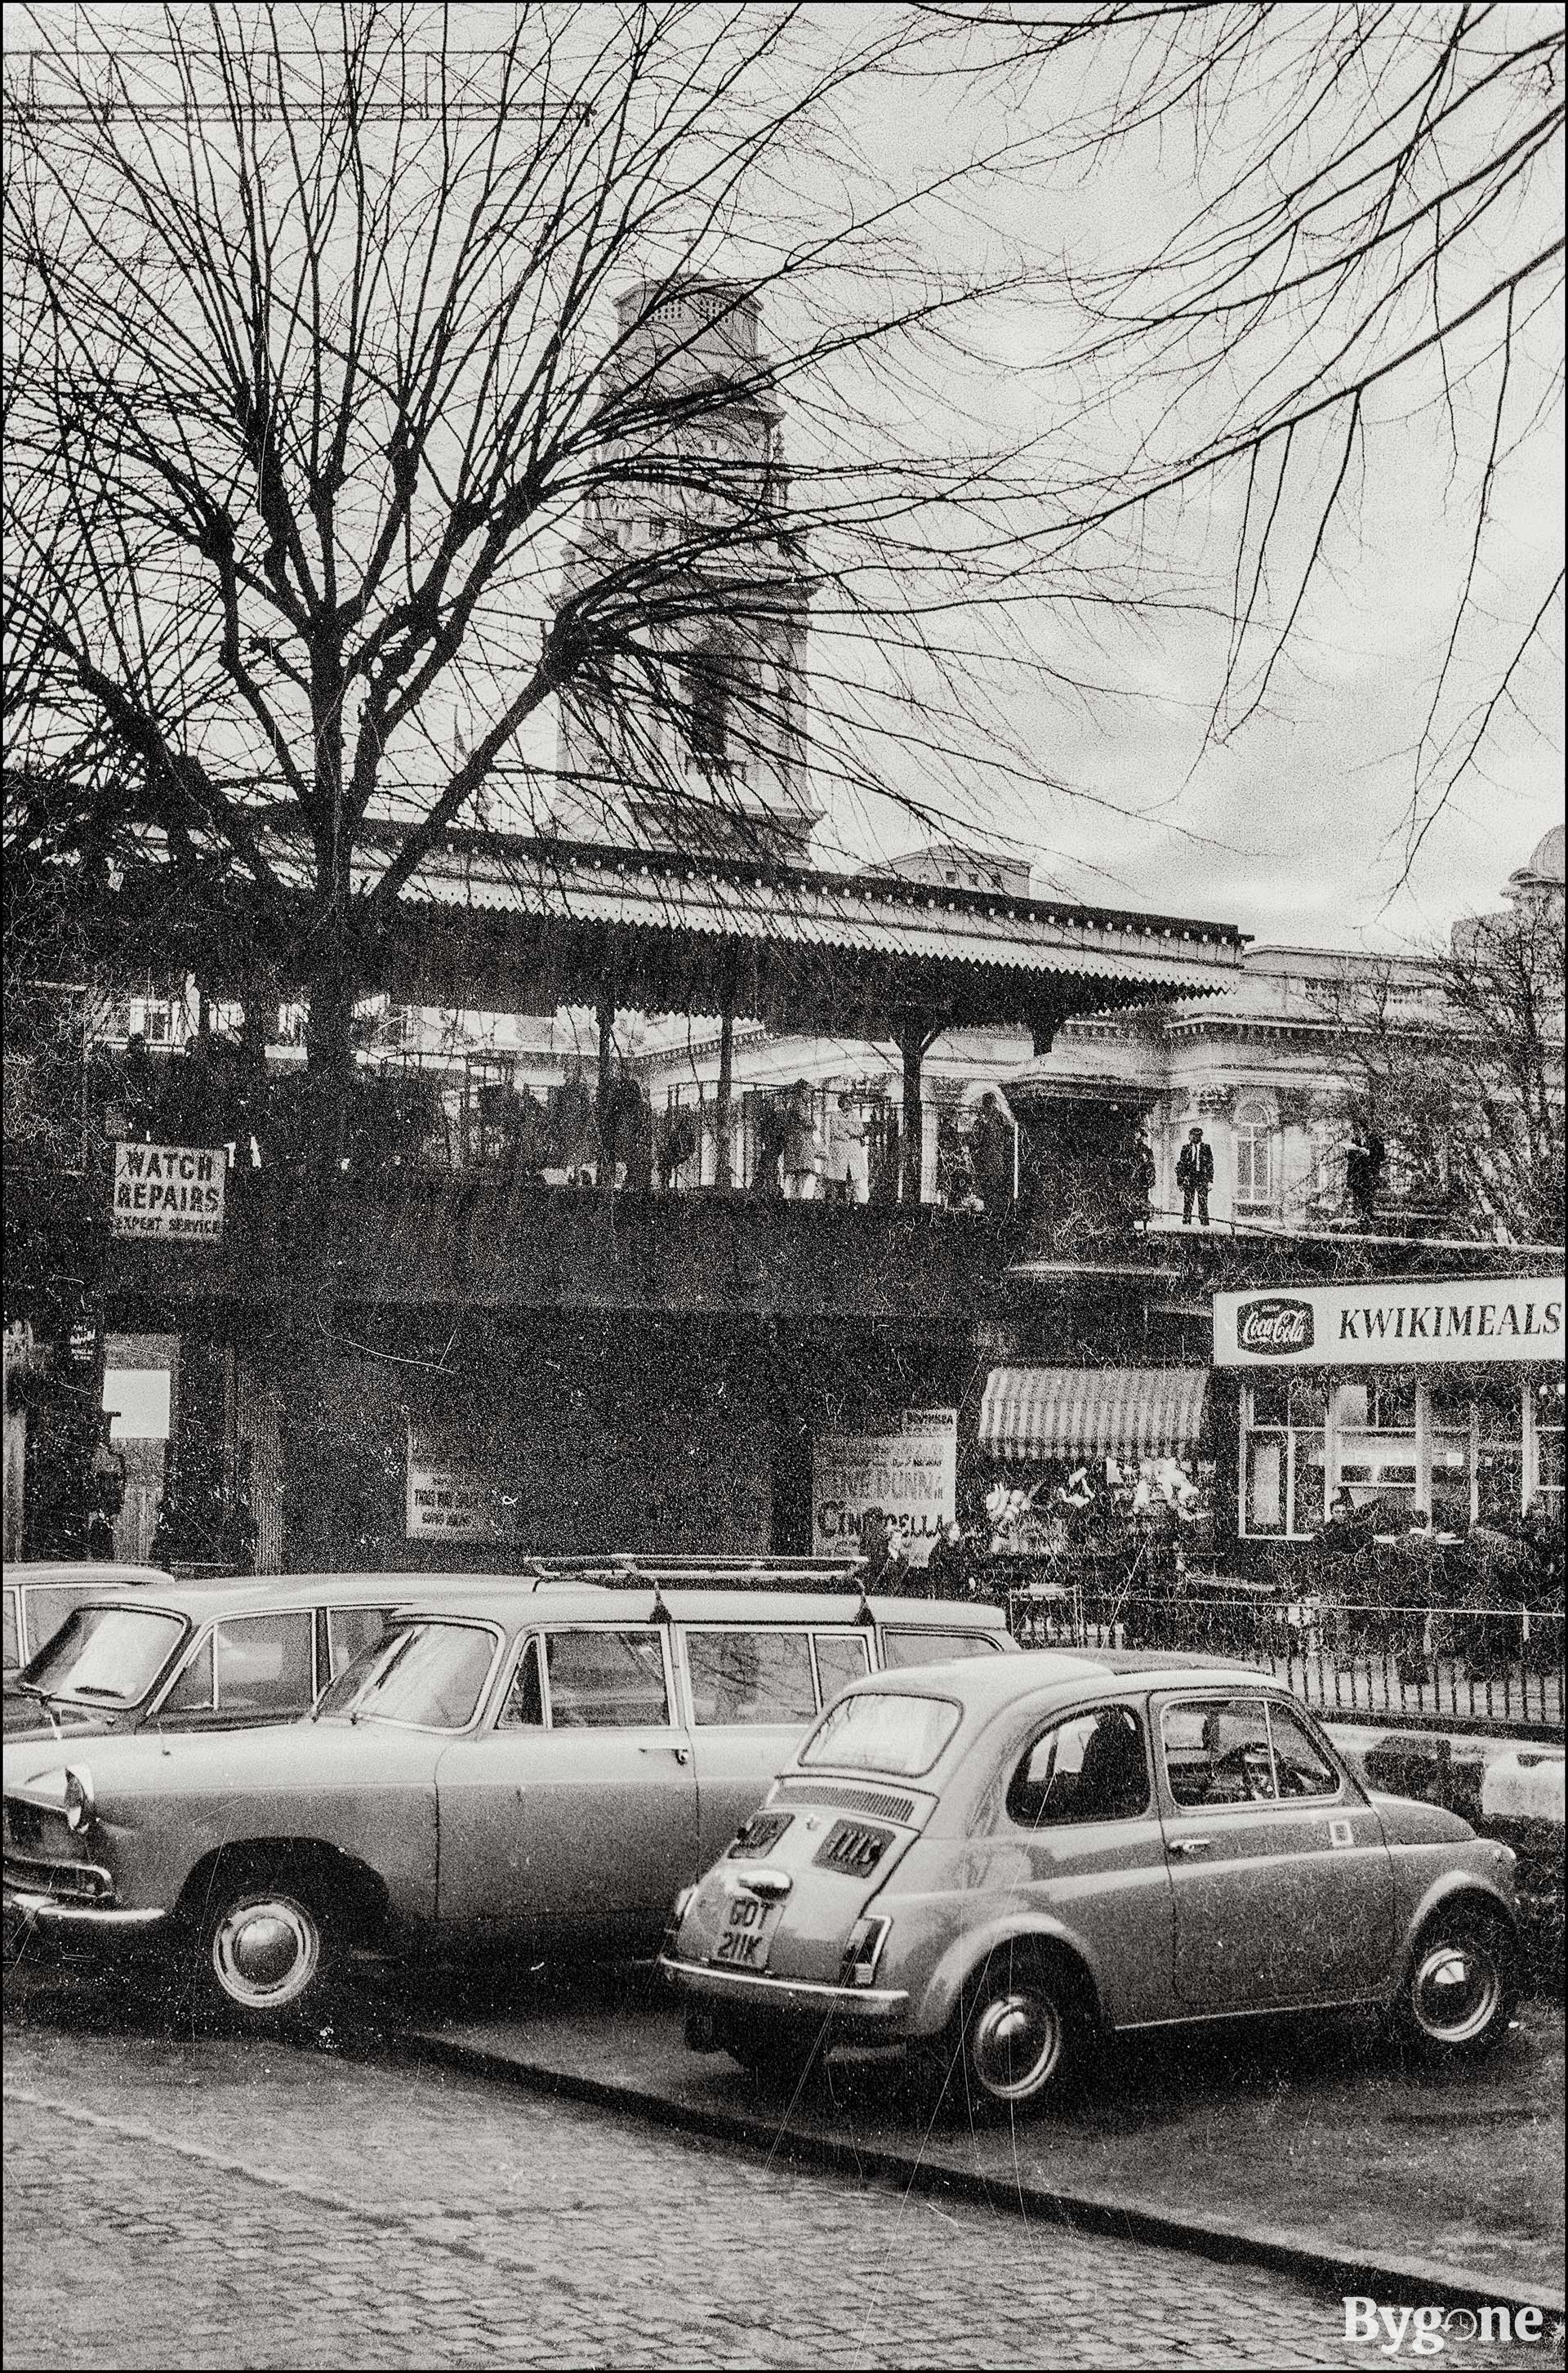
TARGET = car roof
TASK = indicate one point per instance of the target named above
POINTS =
(980, 1684)
(252, 1593)
(572, 1602)
(26, 1571)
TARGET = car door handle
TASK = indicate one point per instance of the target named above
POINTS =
(1188, 1845)
(681, 1754)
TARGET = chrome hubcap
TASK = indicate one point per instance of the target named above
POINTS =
(1015, 2042)
(265, 1951)
(1456, 1989)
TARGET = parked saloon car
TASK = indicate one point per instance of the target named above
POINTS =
(264, 1852)
(992, 1863)
(38, 1597)
(208, 1655)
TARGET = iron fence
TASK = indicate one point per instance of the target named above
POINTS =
(1492, 1664)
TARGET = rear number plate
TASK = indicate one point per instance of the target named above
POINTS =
(747, 1936)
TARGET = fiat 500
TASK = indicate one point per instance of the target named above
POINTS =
(528, 1768)
(994, 1864)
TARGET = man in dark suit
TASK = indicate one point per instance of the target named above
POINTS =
(1195, 1176)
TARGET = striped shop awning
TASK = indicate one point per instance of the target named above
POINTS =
(1099, 1412)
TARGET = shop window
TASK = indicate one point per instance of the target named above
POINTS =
(1283, 1462)
(1374, 1438)
(1256, 1188)
(1548, 1461)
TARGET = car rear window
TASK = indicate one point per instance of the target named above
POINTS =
(923, 1644)
(107, 1655)
(880, 1730)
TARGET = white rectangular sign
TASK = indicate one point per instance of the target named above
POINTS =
(1415, 1323)
(451, 1499)
(911, 1474)
(173, 1193)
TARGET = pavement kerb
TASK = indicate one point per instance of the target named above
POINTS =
(1391, 2280)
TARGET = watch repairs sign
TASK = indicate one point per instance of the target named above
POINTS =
(911, 1474)
(172, 1193)
(451, 1498)
(1415, 1323)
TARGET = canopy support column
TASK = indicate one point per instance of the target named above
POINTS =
(721, 1167)
(916, 1035)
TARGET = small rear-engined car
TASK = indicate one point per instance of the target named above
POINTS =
(992, 1864)
(529, 1768)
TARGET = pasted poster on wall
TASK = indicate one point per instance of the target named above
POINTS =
(453, 1498)
(172, 1193)
(910, 1473)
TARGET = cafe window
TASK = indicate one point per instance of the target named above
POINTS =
(1546, 1412)
(1394, 1441)
(750, 1676)
(1283, 1458)
(1255, 1191)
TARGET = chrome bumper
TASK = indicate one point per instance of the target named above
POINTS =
(31, 1908)
(758, 1992)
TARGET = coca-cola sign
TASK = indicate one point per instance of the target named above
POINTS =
(1274, 1327)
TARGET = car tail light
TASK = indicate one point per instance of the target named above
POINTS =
(863, 1951)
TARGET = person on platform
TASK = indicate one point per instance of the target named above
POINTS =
(948, 1567)
(1195, 1176)
(991, 1155)
(848, 1179)
(802, 1152)
(1141, 1183)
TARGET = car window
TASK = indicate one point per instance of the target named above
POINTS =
(841, 1658)
(523, 1708)
(1091, 1767)
(606, 1680)
(254, 1664)
(878, 1730)
(1216, 1751)
(923, 1644)
(750, 1676)
(13, 1636)
(1301, 1768)
(351, 1629)
(107, 1655)
(429, 1676)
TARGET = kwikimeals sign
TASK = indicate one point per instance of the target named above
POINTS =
(1412, 1323)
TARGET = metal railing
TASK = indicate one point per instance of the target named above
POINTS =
(1496, 1664)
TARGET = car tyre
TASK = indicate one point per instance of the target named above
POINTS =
(1462, 1987)
(267, 1951)
(1021, 2035)
(779, 2057)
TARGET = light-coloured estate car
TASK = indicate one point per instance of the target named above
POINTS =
(542, 1769)
(213, 1655)
(992, 1863)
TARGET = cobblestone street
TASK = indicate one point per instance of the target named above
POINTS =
(237, 2203)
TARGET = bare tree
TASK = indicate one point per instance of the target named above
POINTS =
(1365, 268)
(315, 380)
(1463, 1082)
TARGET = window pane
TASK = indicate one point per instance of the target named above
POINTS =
(1265, 1482)
(841, 1658)
(193, 1692)
(263, 1664)
(878, 1731)
(1092, 1769)
(1308, 1504)
(1301, 1768)
(1309, 1401)
(13, 1645)
(431, 1678)
(924, 1644)
(1271, 1400)
(606, 1680)
(750, 1676)
(108, 1656)
(524, 1709)
(351, 1629)
(1217, 1752)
